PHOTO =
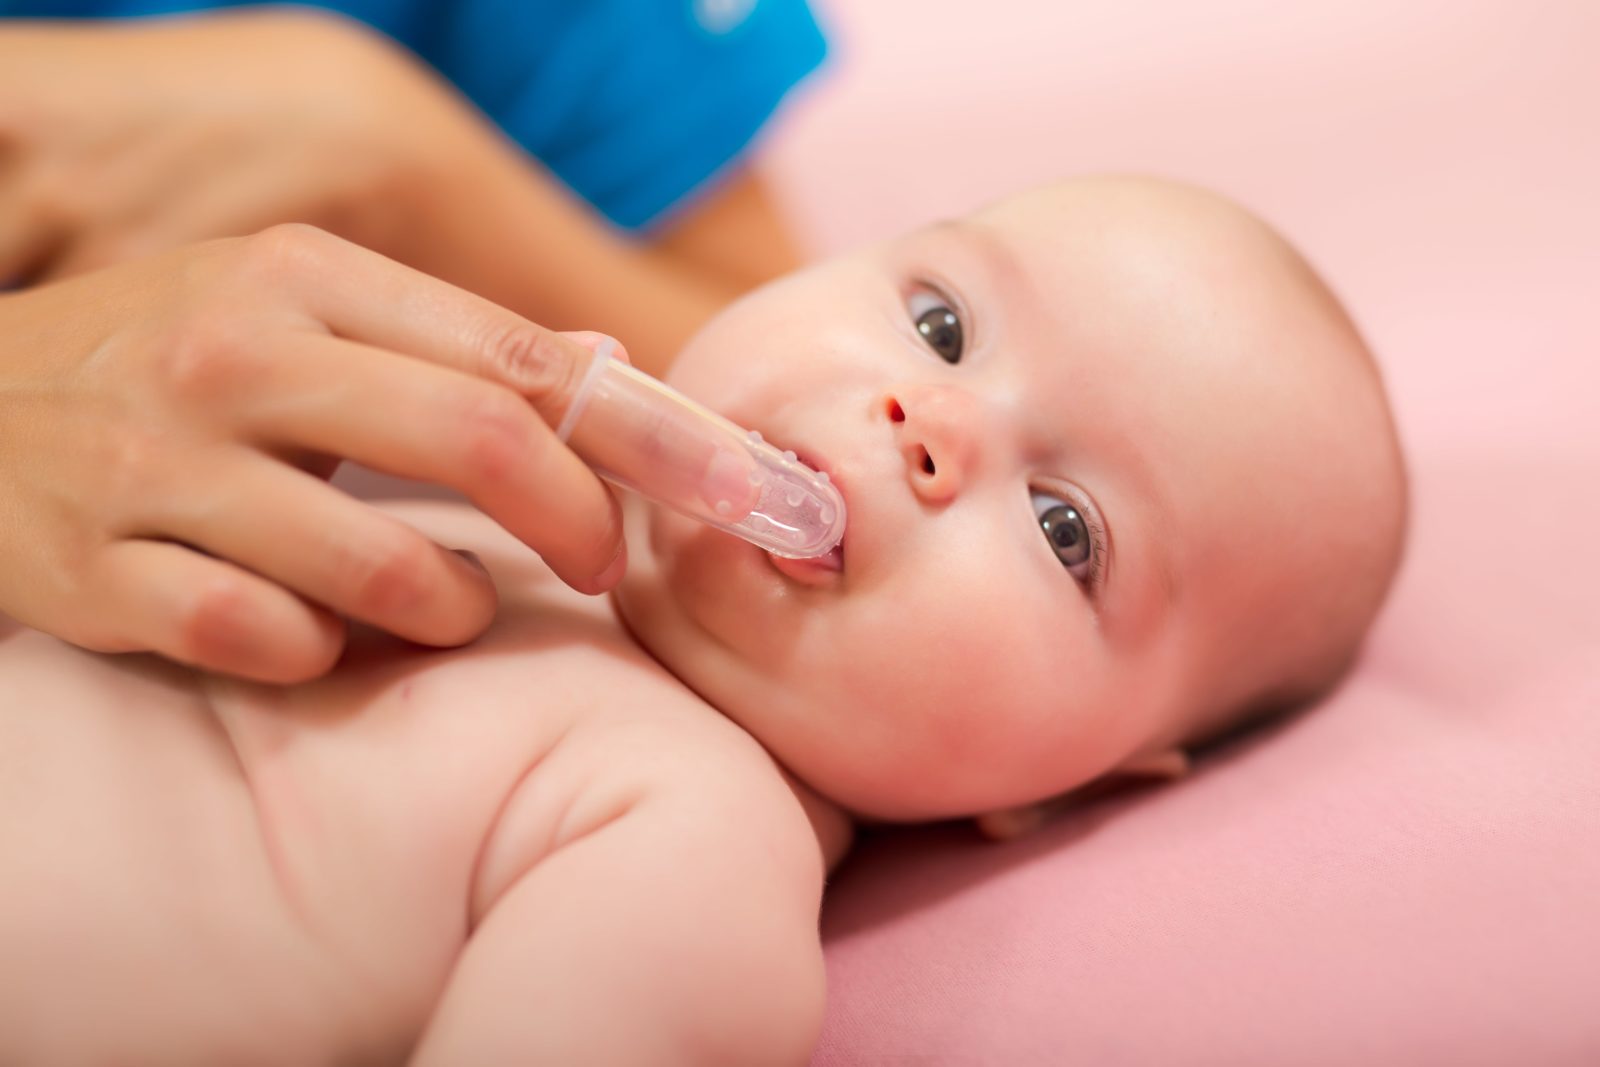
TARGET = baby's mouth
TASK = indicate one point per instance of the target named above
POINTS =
(815, 570)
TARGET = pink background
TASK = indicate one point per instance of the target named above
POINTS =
(1410, 873)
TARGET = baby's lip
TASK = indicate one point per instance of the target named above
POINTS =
(816, 570)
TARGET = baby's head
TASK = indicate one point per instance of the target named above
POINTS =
(1119, 473)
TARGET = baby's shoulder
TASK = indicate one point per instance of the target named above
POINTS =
(654, 886)
(661, 755)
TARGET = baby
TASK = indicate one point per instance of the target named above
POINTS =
(1120, 474)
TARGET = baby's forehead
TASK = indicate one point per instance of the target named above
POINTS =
(1129, 208)
(1189, 250)
(1180, 279)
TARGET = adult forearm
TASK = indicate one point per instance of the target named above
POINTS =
(523, 240)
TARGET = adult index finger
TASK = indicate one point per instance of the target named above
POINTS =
(416, 420)
(363, 296)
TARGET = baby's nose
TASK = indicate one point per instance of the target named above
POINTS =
(939, 432)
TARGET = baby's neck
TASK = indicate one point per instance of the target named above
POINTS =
(834, 827)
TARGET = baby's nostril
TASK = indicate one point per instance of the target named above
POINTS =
(896, 412)
(927, 462)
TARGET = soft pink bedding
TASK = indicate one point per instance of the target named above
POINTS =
(1409, 874)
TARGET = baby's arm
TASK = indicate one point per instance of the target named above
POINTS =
(680, 929)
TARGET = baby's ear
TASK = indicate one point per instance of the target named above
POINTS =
(1167, 765)
(1010, 823)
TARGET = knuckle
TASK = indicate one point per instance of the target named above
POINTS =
(204, 358)
(386, 576)
(496, 433)
(528, 359)
(283, 249)
(214, 620)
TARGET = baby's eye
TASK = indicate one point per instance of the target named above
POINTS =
(937, 323)
(1068, 533)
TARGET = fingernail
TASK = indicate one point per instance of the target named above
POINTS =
(614, 570)
(592, 340)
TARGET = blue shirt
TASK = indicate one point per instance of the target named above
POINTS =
(634, 104)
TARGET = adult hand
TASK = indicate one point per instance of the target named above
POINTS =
(126, 138)
(167, 426)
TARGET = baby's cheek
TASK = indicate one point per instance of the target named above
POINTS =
(950, 714)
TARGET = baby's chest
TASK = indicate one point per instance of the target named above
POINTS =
(381, 789)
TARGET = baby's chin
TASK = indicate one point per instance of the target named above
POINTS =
(685, 595)
(708, 607)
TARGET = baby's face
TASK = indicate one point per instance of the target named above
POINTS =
(1090, 441)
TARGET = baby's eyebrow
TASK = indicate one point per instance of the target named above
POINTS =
(999, 259)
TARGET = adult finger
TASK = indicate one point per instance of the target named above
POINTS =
(294, 529)
(362, 296)
(167, 598)
(421, 421)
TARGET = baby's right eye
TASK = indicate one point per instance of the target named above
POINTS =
(938, 324)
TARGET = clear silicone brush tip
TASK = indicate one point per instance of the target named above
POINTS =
(798, 513)
(639, 433)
